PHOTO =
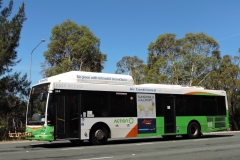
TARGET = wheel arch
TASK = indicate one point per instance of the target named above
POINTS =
(101, 124)
(196, 121)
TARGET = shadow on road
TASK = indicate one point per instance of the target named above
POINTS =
(216, 136)
(63, 144)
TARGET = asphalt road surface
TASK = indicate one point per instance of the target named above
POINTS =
(212, 146)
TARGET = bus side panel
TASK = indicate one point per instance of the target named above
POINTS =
(127, 127)
(120, 127)
(182, 123)
(159, 128)
(207, 123)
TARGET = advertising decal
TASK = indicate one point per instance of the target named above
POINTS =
(146, 113)
(146, 125)
(146, 105)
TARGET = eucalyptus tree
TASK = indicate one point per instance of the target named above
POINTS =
(72, 47)
(197, 59)
(133, 66)
(212, 79)
(226, 76)
(164, 60)
(229, 72)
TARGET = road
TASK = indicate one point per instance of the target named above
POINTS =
(211, 146)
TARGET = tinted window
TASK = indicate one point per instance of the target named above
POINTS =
(192, 105)
(109, 104)
(179, 105)
(162, 102)
(97, 102)
(209, 105)
(221, 105)
(123, 104)
(159, 105)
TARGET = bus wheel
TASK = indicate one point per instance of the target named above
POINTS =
(76, 142)
(169, 137)
(99, 135)
(193, 130)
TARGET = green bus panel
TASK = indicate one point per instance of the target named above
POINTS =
(43, 133)
(207, 124)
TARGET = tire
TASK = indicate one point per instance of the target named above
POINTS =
(193, 130)
(76, 142)
(99, 135)
(169, 137)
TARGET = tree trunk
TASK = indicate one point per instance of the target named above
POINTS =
(80, 67)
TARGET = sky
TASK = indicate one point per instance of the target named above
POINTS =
(125, 27)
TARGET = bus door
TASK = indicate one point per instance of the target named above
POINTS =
(169, 115)
(67, 116)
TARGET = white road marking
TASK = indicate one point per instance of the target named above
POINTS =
(102, 158)
(200, 139)
(143, 144)
(97, 158)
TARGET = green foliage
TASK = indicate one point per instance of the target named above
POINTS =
(9, 36)
(13, 87)
(180, 61)
(13, 93)
(164, 60)
(72, 47)
(228, 79)
(197, 59)
(132, 65)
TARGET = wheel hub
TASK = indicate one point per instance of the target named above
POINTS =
(99, 134)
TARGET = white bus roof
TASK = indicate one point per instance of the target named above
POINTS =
(170, 86)
(90, 77)
(78, 80)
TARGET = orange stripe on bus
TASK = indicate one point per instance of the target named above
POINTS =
(201, 93)
(133, 132)
(35, 128)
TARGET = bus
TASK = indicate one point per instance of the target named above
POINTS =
(78, 106)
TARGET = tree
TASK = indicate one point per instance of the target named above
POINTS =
(225, 75)
(9, 36)
(228, 79)
(72, 47)
(197, 59)
(13, 87)
(212, 79)
(132, 65)
(180, 61)
(164, 60)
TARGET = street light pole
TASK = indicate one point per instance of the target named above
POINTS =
(43, 40)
